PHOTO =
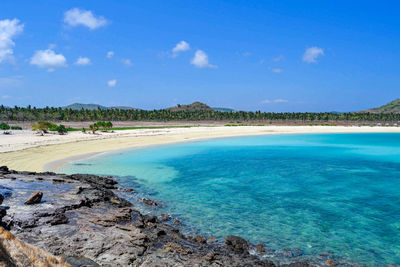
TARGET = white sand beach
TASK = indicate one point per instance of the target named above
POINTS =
(25, 150)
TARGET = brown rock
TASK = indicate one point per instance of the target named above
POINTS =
(209, 256)
(35, 198)
(165, 217)
(330, 262)
(212, 239)
(260, 248)
(177, 222)
(200, 239)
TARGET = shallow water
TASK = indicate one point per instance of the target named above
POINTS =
(317, 192)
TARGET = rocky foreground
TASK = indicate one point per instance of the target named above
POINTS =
(82, 221)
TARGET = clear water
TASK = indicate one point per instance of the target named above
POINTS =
(322, 192)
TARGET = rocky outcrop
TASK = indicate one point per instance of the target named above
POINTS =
(82, 219)
(14, 252)
(35, 198)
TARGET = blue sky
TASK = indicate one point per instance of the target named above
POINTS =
(247, 55)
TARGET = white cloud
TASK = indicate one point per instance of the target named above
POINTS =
(8, 30)
(75, 17)
(277, 70)
(126, 61)
(312, 53)
(5, 96)
(110, 54)
(83, 61)
(48, 59)
(279, 100)
(112, 83)
(200, 60)
(278, 58)
(180, 47)
(12, 81)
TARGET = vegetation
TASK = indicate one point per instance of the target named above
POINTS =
(100, 125)
(43, 127)
(16, 128)
(59, 114)
(391, 107)
(61, 129)
(196, 106)
(4, 126)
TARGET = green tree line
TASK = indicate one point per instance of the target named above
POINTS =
(59, 114)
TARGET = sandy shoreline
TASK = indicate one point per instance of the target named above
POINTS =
(29, 152)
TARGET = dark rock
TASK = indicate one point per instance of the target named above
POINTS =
(4, 170)
(35, 198)
(165, 217)
(293, 253)
(161, 233)
(80, 262)
(149, 218)
(149, 202)
(59, 218)
(1, 199)
(236, 243)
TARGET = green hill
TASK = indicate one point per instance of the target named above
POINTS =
(195, 106)
(391, 107)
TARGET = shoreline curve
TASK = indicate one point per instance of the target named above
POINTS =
(48, 156)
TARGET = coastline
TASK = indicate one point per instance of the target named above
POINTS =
(47, 153)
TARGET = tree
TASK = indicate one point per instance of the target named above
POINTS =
(108, 125)
(94, 127)
(42, 126)
(61, 129)
(4, 126)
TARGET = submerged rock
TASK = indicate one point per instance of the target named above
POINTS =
(35, 198)
(149, 202)
(236, 243)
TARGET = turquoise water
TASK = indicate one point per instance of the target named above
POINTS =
(321, 192)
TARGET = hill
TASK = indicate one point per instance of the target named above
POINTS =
(391, 107)
(195, 106)
(79, 106)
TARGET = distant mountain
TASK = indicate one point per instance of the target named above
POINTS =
(123, 108)
(391, 107)
(79, 106)
(195, 106)
(223, 109)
